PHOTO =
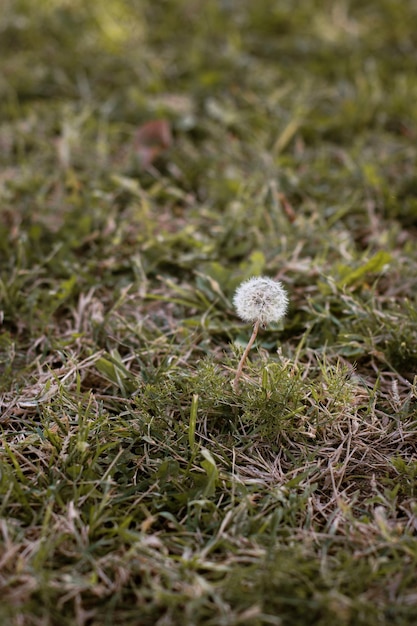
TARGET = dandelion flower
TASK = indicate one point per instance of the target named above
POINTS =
(262, 299)
(259, 300)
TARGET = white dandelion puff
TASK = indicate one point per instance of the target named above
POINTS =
(260, 300)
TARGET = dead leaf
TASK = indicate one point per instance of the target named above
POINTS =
(287, 208)
(151, 140)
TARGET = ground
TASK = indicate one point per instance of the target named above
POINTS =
(154, 155)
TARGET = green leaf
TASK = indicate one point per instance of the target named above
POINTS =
(210, 467)
(254, 266)
(193, 421)
(113, 368)
(376, 264)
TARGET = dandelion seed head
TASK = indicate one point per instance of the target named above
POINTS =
(261, 299)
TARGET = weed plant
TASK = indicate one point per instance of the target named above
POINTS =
(155, 155)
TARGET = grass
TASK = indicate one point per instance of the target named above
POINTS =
(154, 156)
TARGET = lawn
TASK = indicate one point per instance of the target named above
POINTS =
(154, 155)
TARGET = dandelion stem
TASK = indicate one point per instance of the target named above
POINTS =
(245, 354)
